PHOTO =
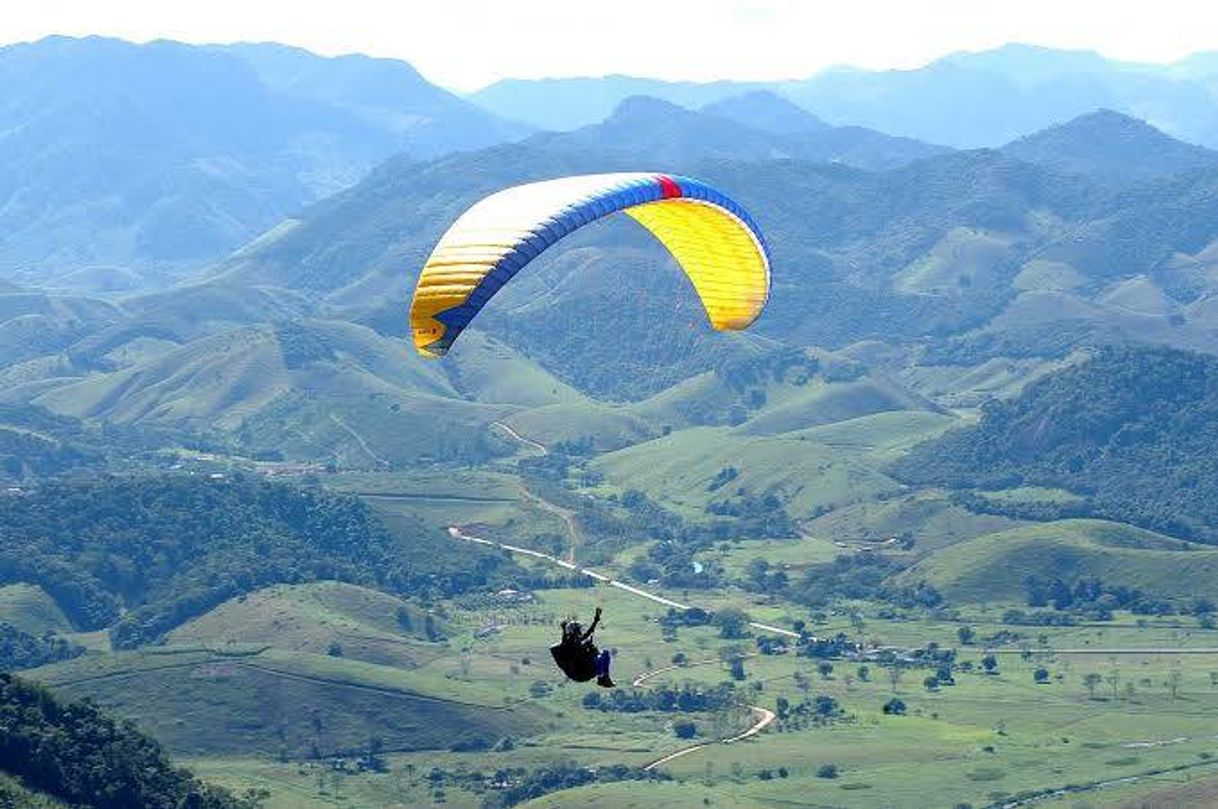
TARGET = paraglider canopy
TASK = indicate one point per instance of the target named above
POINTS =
(712, 238)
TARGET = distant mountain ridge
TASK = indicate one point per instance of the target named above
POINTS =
(569, 103)
(760, 126)
(1109, 144)
(766, 110)
(964, 100)
(161, 157)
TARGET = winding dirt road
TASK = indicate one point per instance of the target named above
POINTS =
(530, 442)
(763, 717)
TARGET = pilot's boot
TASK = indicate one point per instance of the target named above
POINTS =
(604, 682)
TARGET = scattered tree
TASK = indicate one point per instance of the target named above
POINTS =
(895, 673)
(1114, 680)
(732, 622)
(894, 707)
(1173, 682)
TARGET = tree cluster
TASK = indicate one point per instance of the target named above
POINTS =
(22, 650)
(1133, 431)
(686, 699)
(144, 554)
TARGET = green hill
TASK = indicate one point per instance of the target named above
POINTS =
(1132, 431)
(772, 389)
(34, 324)
(682, 468)
(486, 370)
(994, 567)
(930, 519)
(608, 427)
(367, 625)
(812, 429)
(143, 555)
(275, 702)
(14, 795)
(326, 390)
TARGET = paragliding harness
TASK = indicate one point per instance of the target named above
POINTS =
(577, 655)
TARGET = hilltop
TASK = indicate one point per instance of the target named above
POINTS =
(1010, 91)
(1111, 145)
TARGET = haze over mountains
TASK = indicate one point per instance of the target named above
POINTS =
(964, 100)
(132, 165)
(133, 162)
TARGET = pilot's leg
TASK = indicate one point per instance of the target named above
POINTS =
(602, 670)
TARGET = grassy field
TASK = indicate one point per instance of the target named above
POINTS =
(993, 567)
(284, 704)
(808, 476)
(316, 618)
(30, 609)
(979, 741)
(249, 709)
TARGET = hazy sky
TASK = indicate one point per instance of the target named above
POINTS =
(464, 44)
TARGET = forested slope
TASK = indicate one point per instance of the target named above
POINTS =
(1134, 430)
(144, 554)
(74, 752)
